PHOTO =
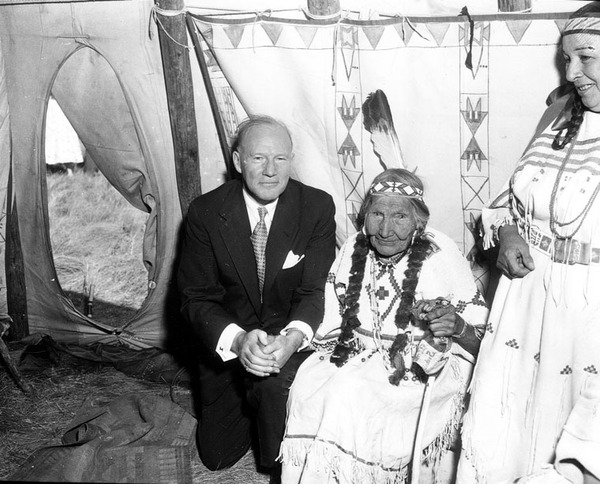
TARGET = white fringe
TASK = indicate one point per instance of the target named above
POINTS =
(327, 458)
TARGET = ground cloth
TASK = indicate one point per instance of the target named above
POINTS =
(134, 438)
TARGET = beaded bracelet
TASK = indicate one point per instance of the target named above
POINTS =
(463, 331)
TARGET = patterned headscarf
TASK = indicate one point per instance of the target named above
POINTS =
(582, 25)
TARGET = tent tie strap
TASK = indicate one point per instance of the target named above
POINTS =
(154, 15)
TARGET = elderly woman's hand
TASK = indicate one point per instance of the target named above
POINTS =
(514, 258)
(440, 315)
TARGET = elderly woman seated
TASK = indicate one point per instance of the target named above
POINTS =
(402, 326)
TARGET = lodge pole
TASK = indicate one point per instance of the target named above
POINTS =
(16, 292)
(212, 99)
(172, 34)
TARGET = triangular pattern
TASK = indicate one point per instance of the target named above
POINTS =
(517, 28)
(438, 30)
(405, 31)
(354, 208)
(273, 30)
(349, 151)
(348, 112)
(474, 116)
(373, 33)
(560, 24)
(476, 184)
(349, 44)
(480, 36)
(234, 33)
(472, 224)
(472, 154)
(307, 34)
(207, 34)
(351, 180)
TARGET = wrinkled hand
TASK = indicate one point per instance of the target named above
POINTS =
(514, 258)
(440, 315)
(251, 349)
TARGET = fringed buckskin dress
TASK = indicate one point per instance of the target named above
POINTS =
(349, 424)
(536, 379)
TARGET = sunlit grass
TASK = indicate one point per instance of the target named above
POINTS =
(97, 237)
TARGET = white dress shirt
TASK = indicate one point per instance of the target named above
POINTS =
(232, 330)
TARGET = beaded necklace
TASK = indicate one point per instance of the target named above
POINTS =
(554, 222)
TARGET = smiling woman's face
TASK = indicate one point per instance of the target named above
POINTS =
(390, 223)
(582, 63)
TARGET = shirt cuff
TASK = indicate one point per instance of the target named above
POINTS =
(226, 340)
(303, 328)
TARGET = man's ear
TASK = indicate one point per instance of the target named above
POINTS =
(237, 162)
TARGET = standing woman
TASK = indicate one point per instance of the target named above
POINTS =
(535, 405)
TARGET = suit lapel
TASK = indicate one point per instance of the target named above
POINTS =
(281, 235)
(235, 230)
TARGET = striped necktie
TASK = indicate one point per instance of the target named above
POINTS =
(259, 242)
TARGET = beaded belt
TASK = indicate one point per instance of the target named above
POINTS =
(564, 251)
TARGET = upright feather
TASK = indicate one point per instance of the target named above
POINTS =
(377, 119)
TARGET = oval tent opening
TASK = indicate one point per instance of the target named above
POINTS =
(96, 215)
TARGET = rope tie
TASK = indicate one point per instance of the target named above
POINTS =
(155, 12)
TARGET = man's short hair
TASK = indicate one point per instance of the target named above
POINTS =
(257, 120)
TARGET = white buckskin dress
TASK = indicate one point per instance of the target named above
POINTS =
(535, 393)
(349, 424)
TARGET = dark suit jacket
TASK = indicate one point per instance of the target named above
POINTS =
(217, 274)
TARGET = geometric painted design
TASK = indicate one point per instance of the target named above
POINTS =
(349, 43)
(472, 224)
(536, 357)
(206, 33)
(591, 369)
(474, 95)
(438, 30)
(405, 31)
(351, 180)
(473, 153)
(273, 30)
(234, 32)
(474, 116)
(489, 328)
(481, 36)
(473, 193)
(567, 370)
(352, 209)
(517, 28)
(373, 34)
(307, 34)
(512, 343)
(349, 151)
(560, 24)
(348, 113)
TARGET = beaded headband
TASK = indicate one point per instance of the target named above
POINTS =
(582, 25)
(396, 187)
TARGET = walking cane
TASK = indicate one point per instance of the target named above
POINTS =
(416, 458)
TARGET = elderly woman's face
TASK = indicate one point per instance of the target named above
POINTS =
(582, 63)
(390, 223)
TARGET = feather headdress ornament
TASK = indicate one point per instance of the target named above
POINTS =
(377, 120)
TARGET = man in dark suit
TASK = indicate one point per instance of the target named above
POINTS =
(254, 308)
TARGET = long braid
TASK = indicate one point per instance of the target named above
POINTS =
(350, 319)
(573, 127)
(417, 255)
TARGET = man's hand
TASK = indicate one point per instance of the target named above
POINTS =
(251, 351)
(514, 258)
(282, 347)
